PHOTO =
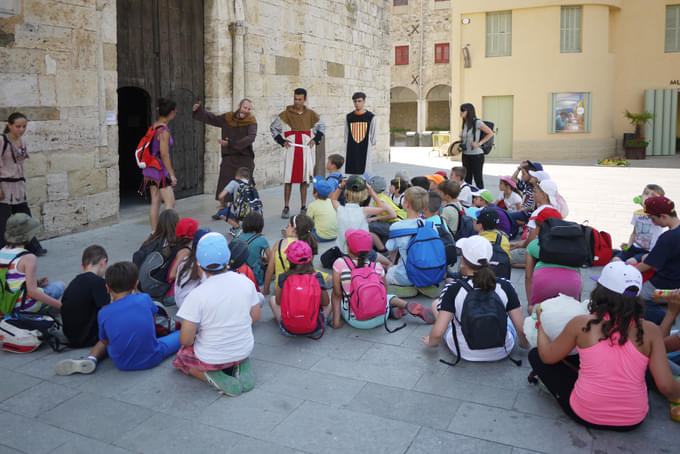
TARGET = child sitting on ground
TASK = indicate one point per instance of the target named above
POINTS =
(452, 209)
(127, 332)
(83, 298)
(486, 225)
(526, 188)
(189, 274)
(380, 224)
(421, 181)
(217, 335)
(645, 232)
(359, 245)
(321, 210)
(398, 186)
(300, 257)
(458, 175)
(37, 295)
(234, 206)
(435, 179)
(510, 200)
(333, 165)
(482, 199)
(184, 232)
(238, 261)
(258, 246)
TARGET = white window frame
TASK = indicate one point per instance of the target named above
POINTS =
(672, 30)
(499, 34)
(571, 19)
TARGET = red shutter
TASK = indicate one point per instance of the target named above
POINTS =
(401, 55)
(441, 53)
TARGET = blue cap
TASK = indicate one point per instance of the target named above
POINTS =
(322, 186)
(212, 252)
(198, 235)
(537, 165)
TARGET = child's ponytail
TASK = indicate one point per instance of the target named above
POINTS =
(303, 226)
(484, 277)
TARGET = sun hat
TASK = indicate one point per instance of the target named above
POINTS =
(378, 183)
(435, 178)
(475, 248)
(322, 186)
(239, 252)
(508, 180)
(488, 217)
(550, 188)
(198, 235)
(299, 252)
(212, 252)
(358, 240)
(618, 276)
(657, 206)
(484, 194)
(186, 228)
(540, 175)
(21, 228)
(355, 183)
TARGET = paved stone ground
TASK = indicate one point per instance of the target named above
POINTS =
(352, 391)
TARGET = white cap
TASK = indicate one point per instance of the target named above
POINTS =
(618, 276)
(540, 175)
(550, 188)
(475, 248)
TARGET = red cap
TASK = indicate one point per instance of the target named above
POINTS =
(546, 213)
(659, 205)
(186, 227)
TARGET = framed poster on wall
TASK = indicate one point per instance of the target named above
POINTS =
(570, 112)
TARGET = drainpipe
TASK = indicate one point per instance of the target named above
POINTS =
(421, 101)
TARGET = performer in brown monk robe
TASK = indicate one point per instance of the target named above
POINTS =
(239, 129)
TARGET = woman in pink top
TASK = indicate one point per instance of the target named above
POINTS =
(604, 387)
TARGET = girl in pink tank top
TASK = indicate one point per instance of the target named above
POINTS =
(604, 387)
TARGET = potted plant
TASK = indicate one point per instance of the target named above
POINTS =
(636, 148)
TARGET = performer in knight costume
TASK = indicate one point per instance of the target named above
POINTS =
(360, 131)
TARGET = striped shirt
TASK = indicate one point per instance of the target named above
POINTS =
(15, 278)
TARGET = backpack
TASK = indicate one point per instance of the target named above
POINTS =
(300, 301)
(563, 243)
(153, 273)
(488, 145)
(466, 225)
(449, 244)
(368, 295)
(143, 156)
(500, 257)
(425, 254)
(600, 243)
(8, 299)
(24, 332)
(483, 320)
(246, 199)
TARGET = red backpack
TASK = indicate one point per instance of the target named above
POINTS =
(600, 246)
(300, 301)
(367, 295)
(143, 156)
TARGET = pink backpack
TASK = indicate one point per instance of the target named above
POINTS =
(300, 301)
(367, 292)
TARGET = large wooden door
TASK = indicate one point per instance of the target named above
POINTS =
(499, 110)
(160, 50)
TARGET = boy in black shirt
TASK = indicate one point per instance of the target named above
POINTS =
(83, 298)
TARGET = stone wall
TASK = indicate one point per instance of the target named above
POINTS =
(330, 47)
(59, 68)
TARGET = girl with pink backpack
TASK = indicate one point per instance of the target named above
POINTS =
(301, 305)
(359, 289)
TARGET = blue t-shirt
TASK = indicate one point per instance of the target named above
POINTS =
(255, 247)
(128, 325)
(665, 258)
(400, 243)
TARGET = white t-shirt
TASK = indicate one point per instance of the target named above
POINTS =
(225, 331)
(181, 292)
(512, 201)
(465, 195)
(349, 216)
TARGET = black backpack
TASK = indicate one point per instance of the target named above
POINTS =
(449, 243)
(153, 272)
(466, 225)
(563, 243)
(488, 145)
(500, 257)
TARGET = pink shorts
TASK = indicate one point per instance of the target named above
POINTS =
(186, 359)
(549, 282)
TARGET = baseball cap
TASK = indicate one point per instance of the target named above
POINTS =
(299, 252)
(659, 205)
(212, 252)
(358, 240)
(21, 228)
(546, 213)
(442, 173)
(473, 212)
(435, 178)
(322, 186)
(238, 249)
(540, 175)
(378, 183)
(355, 183)
(484, 194)
(475, 248)
(186, 228)
(489, 218)
(618, 276)
(535, 165)
(508, 180)
(198, 235)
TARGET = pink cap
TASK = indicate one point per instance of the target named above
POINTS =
(508, 180)
(358, 240)
(299, 252)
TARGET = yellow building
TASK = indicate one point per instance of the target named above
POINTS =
(556, 76)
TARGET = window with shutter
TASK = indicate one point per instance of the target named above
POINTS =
(570, 29)
(401, 55)
(672, 42)
(499, 34)
(441, 53)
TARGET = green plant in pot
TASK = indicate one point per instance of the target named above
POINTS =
(636, 147)
(638, 120)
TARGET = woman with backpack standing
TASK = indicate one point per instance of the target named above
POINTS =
(477, 287)
(470, 144)
(359, 244)
(13, 198)
(161, 182)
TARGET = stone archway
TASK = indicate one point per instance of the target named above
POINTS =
(439, 108)
(403, 109)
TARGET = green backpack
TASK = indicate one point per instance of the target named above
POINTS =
(8, 299)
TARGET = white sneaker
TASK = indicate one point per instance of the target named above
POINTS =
(75, 366)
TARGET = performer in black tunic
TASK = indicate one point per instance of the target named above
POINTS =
(360, 131)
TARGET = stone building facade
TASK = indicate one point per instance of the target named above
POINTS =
(421, 85)
(60, 69)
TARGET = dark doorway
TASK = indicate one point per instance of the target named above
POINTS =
(160, 52)
(134, 117)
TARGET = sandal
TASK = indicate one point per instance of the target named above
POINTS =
(397, 312)
(424, 313)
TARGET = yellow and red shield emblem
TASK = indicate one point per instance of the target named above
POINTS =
(358, 129)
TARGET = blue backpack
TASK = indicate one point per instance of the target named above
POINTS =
(466, 225)
(426, 256)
